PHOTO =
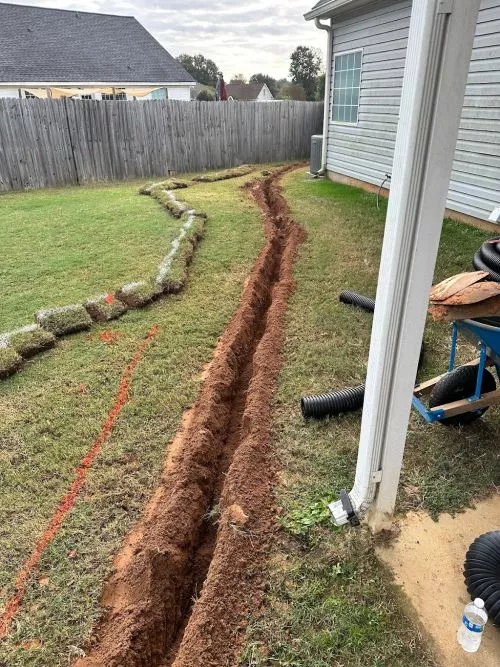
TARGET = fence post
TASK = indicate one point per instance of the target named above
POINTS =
(71, 140)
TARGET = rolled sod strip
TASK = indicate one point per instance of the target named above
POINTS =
(65, 320)
(224, 175)
(138, 294)
(105, 307)
(172, 273)
(10, 361)
(170, 184)
(29, 340)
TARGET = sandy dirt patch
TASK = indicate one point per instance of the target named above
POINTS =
(427, 560)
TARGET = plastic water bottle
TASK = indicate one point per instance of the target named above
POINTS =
(470, 632)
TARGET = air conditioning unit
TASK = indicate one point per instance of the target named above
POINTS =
(316, 153)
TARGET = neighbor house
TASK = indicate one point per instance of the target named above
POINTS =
(249, 92)
(362, 101)
(61, 53)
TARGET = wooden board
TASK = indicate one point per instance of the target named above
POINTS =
(447, 288)
(473, 294)
(488, 308)
(464, 405)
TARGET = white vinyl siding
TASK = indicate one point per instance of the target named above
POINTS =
(179, 92)
(9, 92)
(365, 151)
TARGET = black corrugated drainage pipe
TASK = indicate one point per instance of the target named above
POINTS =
(345, 400)
(482, 572)
(333, 403)
(487, 258)
(358, 300)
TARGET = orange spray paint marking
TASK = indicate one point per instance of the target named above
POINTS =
(109, 337)
(67, 502)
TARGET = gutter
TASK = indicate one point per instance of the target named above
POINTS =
(92, 84)
(328, 81)
(335, 7)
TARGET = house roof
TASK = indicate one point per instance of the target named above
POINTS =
(244, 91)
(62, 46)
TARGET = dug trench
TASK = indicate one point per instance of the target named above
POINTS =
(190, 573)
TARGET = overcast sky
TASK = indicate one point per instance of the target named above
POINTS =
(241, 36)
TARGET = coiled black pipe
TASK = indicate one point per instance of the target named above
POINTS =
(358, 300)
(333, 403)
(482, 572)
(487, 258)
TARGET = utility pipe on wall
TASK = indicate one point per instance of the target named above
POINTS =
(328, 80)
(437, 64)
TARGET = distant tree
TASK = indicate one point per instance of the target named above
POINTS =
(205, 96)
(291, 91)
(305, 65)
(238, 78)
(320, 89)
(202, 69)
(271, 83)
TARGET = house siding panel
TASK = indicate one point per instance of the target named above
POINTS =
(365, 151)
(9, 92)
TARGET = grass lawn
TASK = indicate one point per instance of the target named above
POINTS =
(330, 602)
(61, 246)
(51, 412)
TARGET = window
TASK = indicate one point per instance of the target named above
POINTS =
(346, 80)
(116, 96)
(86, 97)
(29, 96)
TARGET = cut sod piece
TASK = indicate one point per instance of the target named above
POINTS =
(65, 320)
(10, 361)
(104, 307)
(29, 340)
(223, 175)
(167, 198)
(172, 274)
(170, 184)
(138, 294)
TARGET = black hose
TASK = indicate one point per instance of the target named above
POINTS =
(358, 300)
(333, 403)
(479, 265)
(487, 258)
(482, 572)
(490, 254)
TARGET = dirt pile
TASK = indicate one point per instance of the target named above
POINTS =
(190, 573)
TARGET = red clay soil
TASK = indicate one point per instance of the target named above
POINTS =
(190, 573)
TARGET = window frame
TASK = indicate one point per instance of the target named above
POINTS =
(332, 92)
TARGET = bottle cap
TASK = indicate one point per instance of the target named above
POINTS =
(479, 603)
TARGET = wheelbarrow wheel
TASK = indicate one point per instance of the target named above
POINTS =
(457, 385)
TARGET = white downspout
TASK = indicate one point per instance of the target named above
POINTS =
(328, 80)
(437, 64)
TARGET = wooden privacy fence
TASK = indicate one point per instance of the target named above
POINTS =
(56, 142)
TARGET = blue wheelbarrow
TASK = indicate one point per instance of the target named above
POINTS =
(463, 394)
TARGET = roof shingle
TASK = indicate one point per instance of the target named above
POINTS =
(62, 46)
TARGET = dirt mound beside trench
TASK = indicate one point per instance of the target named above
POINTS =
(189, 574)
